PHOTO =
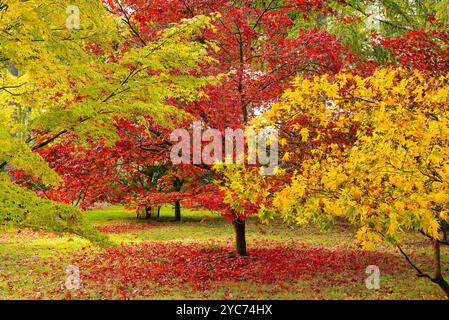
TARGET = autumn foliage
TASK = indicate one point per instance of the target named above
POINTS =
(358, 93)
(130, 272)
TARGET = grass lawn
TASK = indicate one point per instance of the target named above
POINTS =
(162, 259)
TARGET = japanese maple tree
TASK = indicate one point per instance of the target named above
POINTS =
(59, 81)
(259, 53)
(392, 177)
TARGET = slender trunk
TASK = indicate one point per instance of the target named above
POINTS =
(158, 212)
(443, 285)
(240, 236)
(437, 276)
(177, 211)
(81, 198)
(147, 212)
(177, 186)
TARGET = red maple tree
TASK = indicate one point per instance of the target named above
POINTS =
(259, 54)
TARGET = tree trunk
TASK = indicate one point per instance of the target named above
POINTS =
(443, 285)
(158, 212)
(177, 211)
(147, 212)
(240, 236)
(177, 186)
(437, 275)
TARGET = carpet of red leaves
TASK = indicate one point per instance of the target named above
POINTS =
(142, 270)
(124, 228)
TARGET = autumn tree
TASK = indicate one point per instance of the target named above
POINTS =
(260, 50)
(149, 178)
(392, 178)
(411, 34)
(59, 80)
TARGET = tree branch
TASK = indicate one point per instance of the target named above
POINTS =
(420, 273)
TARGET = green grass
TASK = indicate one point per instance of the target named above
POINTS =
(207, 225)
(28, 260)
(116, 214)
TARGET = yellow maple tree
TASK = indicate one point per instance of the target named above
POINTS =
(392, 177)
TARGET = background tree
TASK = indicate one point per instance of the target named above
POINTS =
(76, 81)
(412, 33)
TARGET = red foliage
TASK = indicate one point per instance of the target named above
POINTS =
(123, 228)
(136, 270)
(88, 173)
(424, 50)
(259, 59)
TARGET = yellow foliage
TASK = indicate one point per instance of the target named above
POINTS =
(394, 175)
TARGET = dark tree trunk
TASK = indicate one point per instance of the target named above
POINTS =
(177, 186)
(443, 285)
(445, 229)
(240, 236)
(158, 212)
(177, 211)
(437, 275)
(147, 212)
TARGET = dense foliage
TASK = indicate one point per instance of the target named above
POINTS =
(358, 91)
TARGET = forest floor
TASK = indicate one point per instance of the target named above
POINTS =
(194, 259)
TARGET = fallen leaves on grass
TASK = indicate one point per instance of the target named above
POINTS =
(24, 235)
(141, 270)
(124, 228)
